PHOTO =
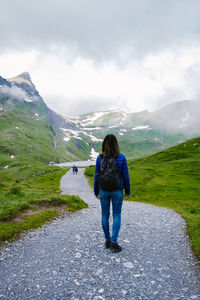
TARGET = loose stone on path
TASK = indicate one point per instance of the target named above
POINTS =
(67, 259)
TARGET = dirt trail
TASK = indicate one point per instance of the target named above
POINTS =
(67, 260)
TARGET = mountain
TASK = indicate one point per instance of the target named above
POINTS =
(144, 133)
(183, 117)
(23, 82)
(179, 117)
(29, 129)
(4, 82)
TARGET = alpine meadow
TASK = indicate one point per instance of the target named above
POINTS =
(34, 136)
(169, 178)
(100, 150)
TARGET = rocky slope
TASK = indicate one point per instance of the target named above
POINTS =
(29, 128)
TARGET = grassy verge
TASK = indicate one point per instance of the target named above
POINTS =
(12, 230)
(170, 179)
(30, 196)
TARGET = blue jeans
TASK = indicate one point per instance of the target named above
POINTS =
(117, 200)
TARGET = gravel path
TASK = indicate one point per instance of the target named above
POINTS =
(67, 260)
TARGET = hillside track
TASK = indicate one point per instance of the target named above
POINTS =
(66, 259)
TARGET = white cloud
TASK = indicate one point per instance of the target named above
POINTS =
(98, 55)
(15, 91)
(15, 62)
(81, 85)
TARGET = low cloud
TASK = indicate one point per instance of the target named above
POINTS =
(151, 83)
(14, 92)
(75, 107)
(93, 55)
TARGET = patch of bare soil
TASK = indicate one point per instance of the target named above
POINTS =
(37, 207)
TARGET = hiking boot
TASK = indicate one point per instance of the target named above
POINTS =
(114, 247)
(107, 244)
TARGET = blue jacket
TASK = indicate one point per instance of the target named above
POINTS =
(122, 171)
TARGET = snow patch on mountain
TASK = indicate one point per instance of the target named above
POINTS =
(69, 133)
(66, 139)
(91, 128)
(141, 127)
(93, 154)
(28, 100)
(123, 130)
(124, 118)
(70, 119)
(90, 119)
(77, 137)
(93, 138)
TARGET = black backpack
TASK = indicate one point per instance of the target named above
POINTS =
(108, 174)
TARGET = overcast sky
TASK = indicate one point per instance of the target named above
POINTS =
(101, 54)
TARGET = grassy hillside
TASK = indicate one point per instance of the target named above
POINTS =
(27, 130)
(31, 196)
(29, 189)
(170, 178)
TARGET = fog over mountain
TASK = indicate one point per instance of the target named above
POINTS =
(27, 121)
(100, 55)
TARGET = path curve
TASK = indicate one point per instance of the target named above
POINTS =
(67, 260)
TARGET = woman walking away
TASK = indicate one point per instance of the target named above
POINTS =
(111, 177)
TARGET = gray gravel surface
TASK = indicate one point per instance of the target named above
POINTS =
(67, 260)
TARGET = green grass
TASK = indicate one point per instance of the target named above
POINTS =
(27, 183)
(22, 134)
(36, 187)
(170, 178)
(12, 230)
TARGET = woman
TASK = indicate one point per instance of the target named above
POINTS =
(110, 148)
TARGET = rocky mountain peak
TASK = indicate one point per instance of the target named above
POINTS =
(26, 76)
(23, 78)
(27, 88)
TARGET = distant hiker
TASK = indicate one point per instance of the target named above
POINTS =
(111, 177)
(76, 170)
(73, 169)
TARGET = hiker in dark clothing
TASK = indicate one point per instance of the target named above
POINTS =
(110, 150)
(74, 169)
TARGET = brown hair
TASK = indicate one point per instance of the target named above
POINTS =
(110, 146)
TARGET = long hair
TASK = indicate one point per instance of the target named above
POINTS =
(110, 146)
